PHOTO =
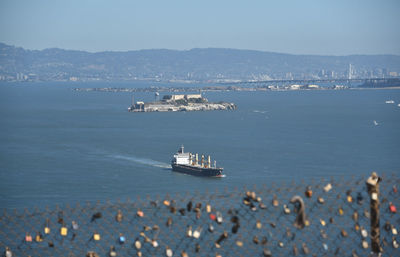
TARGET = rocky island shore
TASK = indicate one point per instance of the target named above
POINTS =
(175, 103)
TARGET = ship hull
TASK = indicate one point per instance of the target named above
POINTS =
(197, 171)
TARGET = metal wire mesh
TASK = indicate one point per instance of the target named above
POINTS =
(247, 222)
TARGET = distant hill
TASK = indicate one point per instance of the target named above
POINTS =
(209, 64)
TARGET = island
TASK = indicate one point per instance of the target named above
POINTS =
(183, 103)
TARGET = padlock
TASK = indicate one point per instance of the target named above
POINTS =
(355, 216)
(349, 199)
(138, 244)
(308, 192)
(364, 244)
(198, 213)
(323, 223)
(258, 224)
(112, 252)
(189, 206)
(267, 253)
(364, 232)
(39, 237)
(392, 208)
(395, 243)
(28, 238)
(64, 231)
(212, 216)
(168, 252)
(46, 230)
(255, 240)
(239, 243)
(121, 239)
(328, 187)
(96, 216)
(75, 225)
(8, 252)
(197, 232)
(321, 200)
(169, 221)
(166, 203)
(189, 231)
(344, 233)
(275, 201)
(140, 213)
(208, 208)
(96, 237)
(119, 216)
(154, 243)
(210, 228)
(286, 209)
(219, 217)
(184, 254)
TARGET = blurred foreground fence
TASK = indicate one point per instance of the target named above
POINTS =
(323, 218)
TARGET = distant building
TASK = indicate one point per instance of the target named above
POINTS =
(182, 97)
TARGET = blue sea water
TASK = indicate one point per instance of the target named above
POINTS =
(61, 146)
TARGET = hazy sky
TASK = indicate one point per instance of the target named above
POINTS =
(328, 27)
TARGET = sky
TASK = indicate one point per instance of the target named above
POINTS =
(321, 27)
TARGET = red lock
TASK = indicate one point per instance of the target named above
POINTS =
(392, 208)
(213, 217)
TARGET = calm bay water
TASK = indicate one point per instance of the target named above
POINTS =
(61, 146)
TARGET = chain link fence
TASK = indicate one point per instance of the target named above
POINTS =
(320, 218)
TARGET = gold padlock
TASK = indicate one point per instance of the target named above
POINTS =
(96, 236)
(64, 231)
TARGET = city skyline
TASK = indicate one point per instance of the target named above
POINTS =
(294, 27)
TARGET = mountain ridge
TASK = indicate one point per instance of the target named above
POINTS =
(196, 64)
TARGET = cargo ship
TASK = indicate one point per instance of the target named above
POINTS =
(185, 163)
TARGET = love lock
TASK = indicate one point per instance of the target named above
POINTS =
(168, 252)
(169, 222)
(119, 216)
(189, 206)
(138, 244)
(255, 240)
(112, 252)
(189, 231)
(197, 232)
(258, 224)
(308, 192)
(275, 201)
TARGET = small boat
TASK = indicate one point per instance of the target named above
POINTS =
(185, 163)
(389, 102)
(375, 123)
